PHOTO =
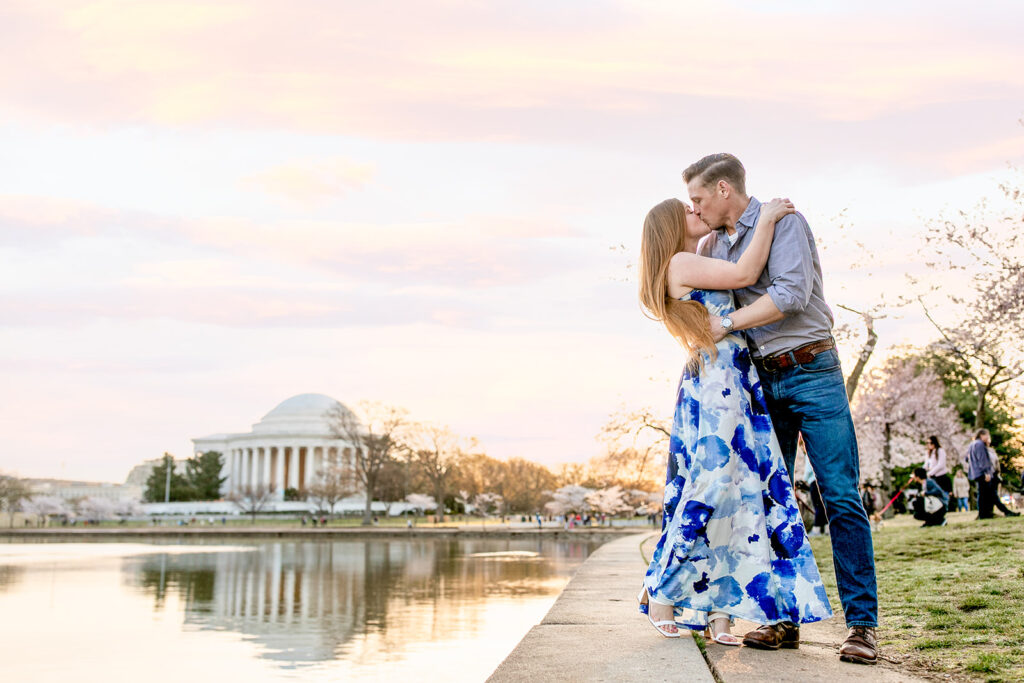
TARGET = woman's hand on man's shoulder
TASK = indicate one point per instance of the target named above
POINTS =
(777, 208)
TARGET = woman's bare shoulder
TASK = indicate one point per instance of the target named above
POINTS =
(678, 266)
(707, 243)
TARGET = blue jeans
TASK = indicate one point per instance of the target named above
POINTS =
(811, 399)
(961, 504)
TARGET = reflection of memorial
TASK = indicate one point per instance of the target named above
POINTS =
(316, 601)
(9, 576)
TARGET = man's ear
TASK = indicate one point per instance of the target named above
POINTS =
(724, 189)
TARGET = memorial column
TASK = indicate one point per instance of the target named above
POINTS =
(278, 472)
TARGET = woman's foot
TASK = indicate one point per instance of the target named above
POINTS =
(718, 630)
(662, 617)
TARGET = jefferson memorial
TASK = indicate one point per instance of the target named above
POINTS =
(286, 449)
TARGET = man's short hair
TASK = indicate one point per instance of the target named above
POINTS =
(978, 434)
(715, 167)
(920, 473)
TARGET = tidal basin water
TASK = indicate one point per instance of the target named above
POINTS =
(407, 610)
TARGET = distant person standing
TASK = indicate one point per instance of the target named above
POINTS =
(981, 472)
(867, 498)
(930, 506)
(997, 479)
(935, 465)
(961, 489)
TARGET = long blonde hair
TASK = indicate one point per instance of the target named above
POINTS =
(664, 235)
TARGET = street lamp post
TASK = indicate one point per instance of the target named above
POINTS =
(168, 459)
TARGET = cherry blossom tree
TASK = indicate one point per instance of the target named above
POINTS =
(644, 502)
(649, 503)
(978, 309)
(96, 509)
(420, 503)
(569, 498)
(900, 405)
(128, 508)
(12, 492)
(45, 507)
(487, 504)
(610, 501)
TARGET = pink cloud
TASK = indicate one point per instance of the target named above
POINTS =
(475, 252)
(252, 307)
(461, 71)
(312, 181)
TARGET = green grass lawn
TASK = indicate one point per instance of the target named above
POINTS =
(951, 598)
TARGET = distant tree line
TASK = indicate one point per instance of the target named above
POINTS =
(396, 459)
(430, 466)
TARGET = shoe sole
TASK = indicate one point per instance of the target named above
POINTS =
(852, 659)
(758, 645)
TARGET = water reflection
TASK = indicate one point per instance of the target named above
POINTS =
(361, 601)
(9, 576)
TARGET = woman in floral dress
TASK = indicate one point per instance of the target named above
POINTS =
(732, 543)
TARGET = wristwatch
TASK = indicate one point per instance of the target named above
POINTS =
(727, 323)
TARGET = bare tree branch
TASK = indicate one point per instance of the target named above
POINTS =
(375, 440)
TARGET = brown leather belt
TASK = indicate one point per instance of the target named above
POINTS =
(798, 356)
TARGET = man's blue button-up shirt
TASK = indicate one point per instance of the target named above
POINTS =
(792, 278)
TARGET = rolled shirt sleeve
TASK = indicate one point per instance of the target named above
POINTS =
(791, 279)
(790, 265)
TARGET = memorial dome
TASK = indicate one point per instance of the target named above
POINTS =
(302, 414)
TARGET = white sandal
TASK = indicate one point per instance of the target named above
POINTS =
(720, 638)
(658, 625)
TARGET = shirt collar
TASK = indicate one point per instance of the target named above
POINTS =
(747, 221)
(750, 215)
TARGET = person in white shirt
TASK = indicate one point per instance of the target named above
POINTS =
(935, 465)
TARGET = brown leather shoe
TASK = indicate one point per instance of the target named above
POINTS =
(773, 637)
(860, 647)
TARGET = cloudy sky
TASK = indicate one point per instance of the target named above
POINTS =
(206, 208)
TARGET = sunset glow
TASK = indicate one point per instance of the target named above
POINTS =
(206, 208)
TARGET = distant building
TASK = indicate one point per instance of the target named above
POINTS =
(69, 489)
(139, 475)
(285, 449)
(72, 490)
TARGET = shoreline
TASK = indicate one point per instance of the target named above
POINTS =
(593, 631)
(64, 534)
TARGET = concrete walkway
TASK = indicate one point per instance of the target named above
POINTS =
(593, 632)
(816, 660)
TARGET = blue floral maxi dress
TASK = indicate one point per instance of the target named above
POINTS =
(732, 538)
